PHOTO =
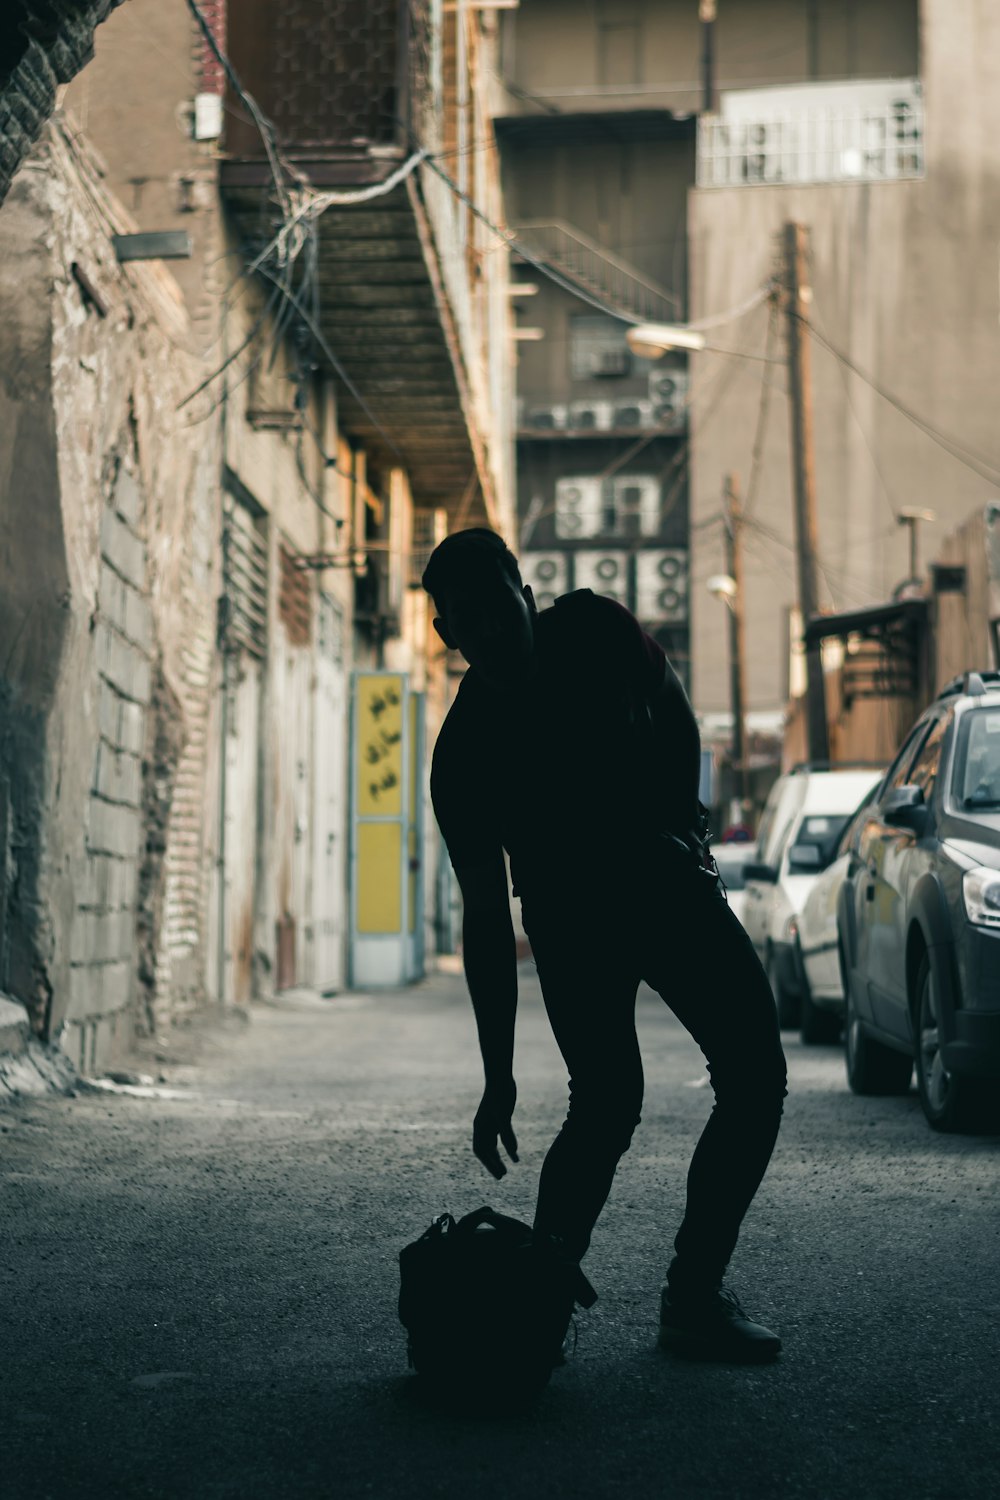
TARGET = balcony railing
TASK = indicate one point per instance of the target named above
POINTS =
(871, 140)
(593, 267)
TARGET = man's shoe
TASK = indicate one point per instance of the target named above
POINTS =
(715, 1327)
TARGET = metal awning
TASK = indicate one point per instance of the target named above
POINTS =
(873, 623)
(890, 659)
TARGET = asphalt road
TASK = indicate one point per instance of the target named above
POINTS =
(199, 1292)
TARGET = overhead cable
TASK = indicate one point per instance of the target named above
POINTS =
(985, 467)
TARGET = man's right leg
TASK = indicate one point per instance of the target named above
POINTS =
(703, 965)
(589, 991)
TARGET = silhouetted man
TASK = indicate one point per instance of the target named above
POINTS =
(572, 745)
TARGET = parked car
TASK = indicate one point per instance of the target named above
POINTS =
(804, 816)
(919, 915)
(731, 859)
(821, 986)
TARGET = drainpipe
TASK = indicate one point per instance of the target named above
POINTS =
(222, 643)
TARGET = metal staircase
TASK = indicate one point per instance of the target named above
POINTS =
(594, 269)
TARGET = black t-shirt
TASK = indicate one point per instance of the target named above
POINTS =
(568, 769)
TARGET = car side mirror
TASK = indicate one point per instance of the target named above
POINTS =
(805, 857)
(904, 807)
(766, 874)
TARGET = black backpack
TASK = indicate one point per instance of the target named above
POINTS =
(486, 1309)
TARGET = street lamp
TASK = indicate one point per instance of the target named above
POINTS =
(652, 340)
(721, 586)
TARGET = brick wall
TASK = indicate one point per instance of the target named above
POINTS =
(43, 46)
(103, 935)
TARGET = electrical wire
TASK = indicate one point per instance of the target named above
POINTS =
(338, 368)
(977, 462)
(265, 128)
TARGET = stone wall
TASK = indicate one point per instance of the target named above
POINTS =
(108, 588)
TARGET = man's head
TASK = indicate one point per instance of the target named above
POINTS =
(484, 611)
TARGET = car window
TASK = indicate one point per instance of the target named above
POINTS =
(844, 842)
(776, 844)
(924, 769)
(767, 817)
(896, 774)
(816, 842)
(976, 781)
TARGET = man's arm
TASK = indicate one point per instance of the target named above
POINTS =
(490, 959)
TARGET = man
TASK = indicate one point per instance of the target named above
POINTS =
(572, 745)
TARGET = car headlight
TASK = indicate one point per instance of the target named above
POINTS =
(981, 891)
(790, 928)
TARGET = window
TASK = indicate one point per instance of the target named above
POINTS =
(977, 761)
(924, 770)
(597, 348)
(896, 774)
(815, 843)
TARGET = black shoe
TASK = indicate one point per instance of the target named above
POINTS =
(715, 1327)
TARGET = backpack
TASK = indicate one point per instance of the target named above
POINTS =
(486, 1309)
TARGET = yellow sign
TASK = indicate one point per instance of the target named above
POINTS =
(379, 746)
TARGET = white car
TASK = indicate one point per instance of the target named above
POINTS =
(731, 859)
(816, 942)
(805, 814)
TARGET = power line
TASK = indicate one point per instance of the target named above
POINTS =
(321, 340)
(977, 462)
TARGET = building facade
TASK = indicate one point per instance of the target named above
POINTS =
(875, 129)
(596, 172)
(225, 472)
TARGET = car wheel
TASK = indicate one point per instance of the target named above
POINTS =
(950, 1101)
(872, 1068)
(785, 1002)
(818, 1027)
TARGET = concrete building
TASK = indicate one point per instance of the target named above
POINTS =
(876, 129)
(680, 145)
(223, 477)
(596, 176)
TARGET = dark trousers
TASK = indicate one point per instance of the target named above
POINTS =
(679, 935)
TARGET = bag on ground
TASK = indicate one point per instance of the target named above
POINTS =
(486, 1307)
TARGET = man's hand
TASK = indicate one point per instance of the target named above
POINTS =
(493, 1119)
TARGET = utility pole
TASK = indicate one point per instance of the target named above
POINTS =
(732, 511)
(798, 299)
(706, 14)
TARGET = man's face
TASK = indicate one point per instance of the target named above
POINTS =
(492, 624)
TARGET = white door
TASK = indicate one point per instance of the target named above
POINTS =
(329, 819)
(242, 730)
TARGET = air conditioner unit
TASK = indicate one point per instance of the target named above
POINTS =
(578, 507)
(547, 574)
(604, 572)
(604, 362)
(589, 416)
(637, 504)
(661, 586)
(668, 393)
(545, 418)
(631, 414)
